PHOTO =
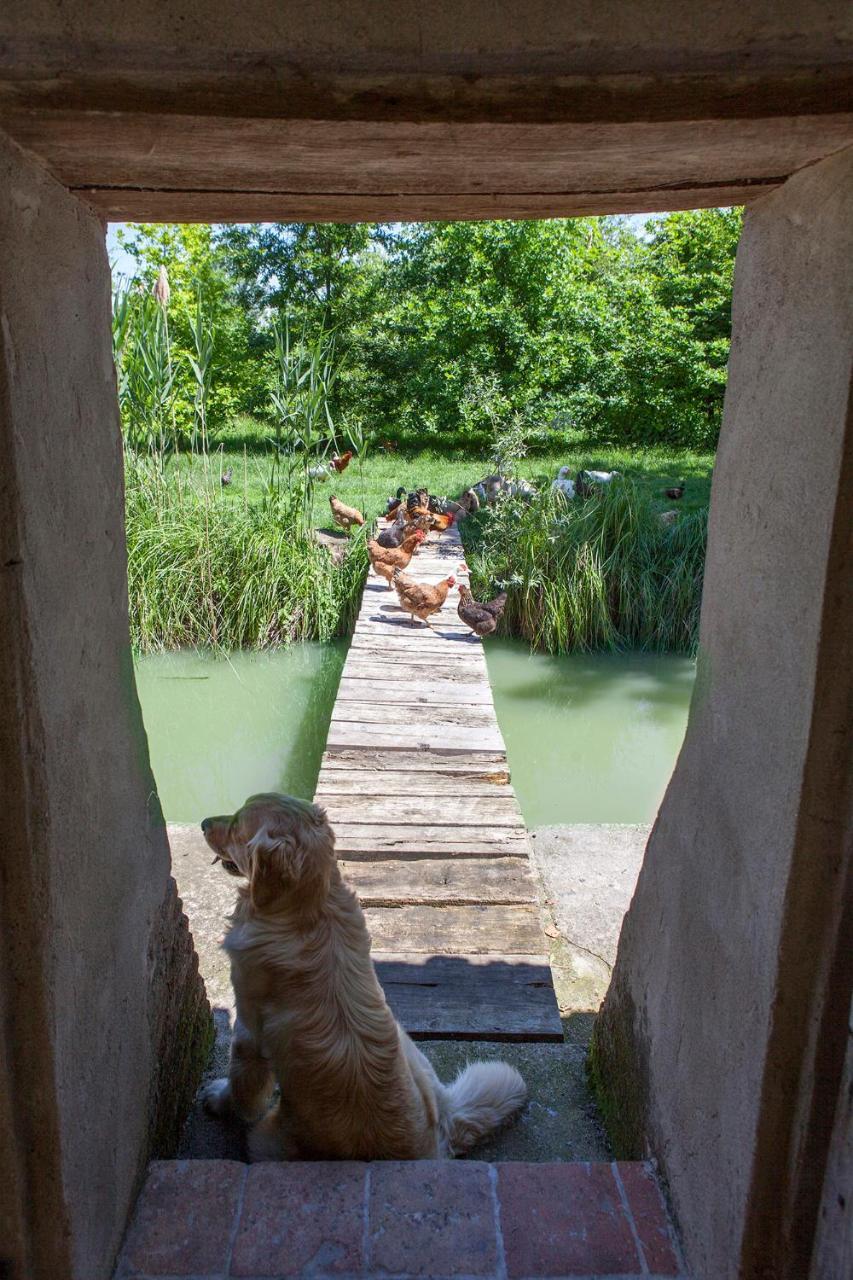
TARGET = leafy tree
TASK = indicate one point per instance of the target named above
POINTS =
(443, 330)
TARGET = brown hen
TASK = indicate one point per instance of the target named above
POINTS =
(386, 559)
(420, 599)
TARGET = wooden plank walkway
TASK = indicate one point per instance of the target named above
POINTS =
(429, 832)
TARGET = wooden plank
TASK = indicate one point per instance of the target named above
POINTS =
(452, 882)
(471, 997)
(425, 689)
(339, 783)
(378, 621)
(426, 644)
(428, 715)
(377, 668)
(453, 737)
(416, 640)
(439, 930)
(431, 811)
(379, 842)
(491, 766)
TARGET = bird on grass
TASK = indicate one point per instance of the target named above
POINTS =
(343, 515)
(563, 484)
(676, 492)
(226, 477)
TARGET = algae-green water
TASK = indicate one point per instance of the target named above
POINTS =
(589, 738)
(222, 727)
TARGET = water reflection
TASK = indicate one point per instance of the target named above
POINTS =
(220, 728)
(590, 738)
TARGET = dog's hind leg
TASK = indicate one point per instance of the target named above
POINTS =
(247, 1090)
(271, 1140)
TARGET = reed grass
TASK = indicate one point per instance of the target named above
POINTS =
(207, 573)
(601, 573)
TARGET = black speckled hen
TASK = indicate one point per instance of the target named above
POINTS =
(481, 618)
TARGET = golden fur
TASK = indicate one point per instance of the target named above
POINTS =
(312, 1016)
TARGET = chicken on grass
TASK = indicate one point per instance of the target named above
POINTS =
(420, 599)
(343, 515)
(481, 618)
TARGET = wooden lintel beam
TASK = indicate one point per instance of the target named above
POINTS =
(127, 205)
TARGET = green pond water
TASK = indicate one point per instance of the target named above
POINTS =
(590, 738)
(220, 728)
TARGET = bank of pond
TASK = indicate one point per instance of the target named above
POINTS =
(590, 737)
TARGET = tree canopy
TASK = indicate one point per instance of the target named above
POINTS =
(577, 327)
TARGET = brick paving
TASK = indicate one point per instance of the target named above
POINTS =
(218, 1219)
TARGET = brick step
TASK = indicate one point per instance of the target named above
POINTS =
(216, 1219)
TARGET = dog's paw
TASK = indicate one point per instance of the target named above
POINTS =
(216, 1097)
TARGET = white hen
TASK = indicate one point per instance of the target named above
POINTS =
(563, 484)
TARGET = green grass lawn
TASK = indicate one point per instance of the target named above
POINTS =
(369, 487)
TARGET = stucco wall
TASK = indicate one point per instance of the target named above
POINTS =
(105, 1009)
(680, 1045)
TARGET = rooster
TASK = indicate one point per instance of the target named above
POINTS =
(481, 618)
(344, 516)
(392, 506)
(442, 522)
(418, 598)
(386, 559)
(340, 463)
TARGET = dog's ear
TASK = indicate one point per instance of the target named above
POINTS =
(288, 858)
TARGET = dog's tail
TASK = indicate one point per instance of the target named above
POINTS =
(481, 1098)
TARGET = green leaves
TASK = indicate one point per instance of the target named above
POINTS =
(582, 327)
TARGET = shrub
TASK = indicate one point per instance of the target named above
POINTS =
(597, 573)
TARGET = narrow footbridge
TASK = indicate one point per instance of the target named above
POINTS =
(429, 832)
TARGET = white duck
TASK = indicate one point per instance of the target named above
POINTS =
(602, 477)
(563, 484)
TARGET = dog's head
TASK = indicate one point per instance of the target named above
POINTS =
(282, 846)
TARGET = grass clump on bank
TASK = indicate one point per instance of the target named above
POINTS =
(599, 573)
(208, 573)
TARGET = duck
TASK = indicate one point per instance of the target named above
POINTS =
(563, 484)
(392, 504)
(676, 492)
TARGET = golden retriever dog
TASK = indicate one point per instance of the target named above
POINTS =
(312, 1017)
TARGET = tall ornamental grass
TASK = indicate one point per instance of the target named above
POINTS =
(209, 573)
(596, 573)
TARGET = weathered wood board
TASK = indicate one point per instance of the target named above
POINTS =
(428, 830)
(471, 997)
(476, 929)
(458, 883)
(375, 840)
(479, 812)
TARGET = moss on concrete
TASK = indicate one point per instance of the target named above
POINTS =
(182, 1027)
(618, 1075)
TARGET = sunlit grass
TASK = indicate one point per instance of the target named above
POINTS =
(209, 573)
(228, 566)
(600, 573)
